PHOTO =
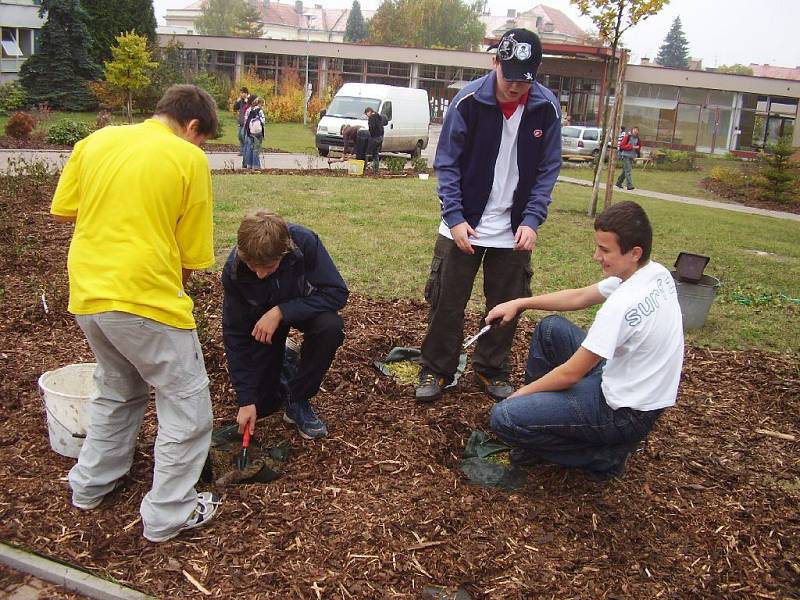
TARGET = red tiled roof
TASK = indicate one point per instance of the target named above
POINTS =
(561, 22)
(776, 72)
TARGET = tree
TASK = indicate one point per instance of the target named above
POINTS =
(107, 20)
(130, 66)
(779, 171)
(674, 52)
(735, 69)
(59, 72)
(451, 24)
(612, 18)
(356, 30)
(235, 18)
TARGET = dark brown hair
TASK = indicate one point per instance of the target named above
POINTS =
(263, 237)
(185, 102)
(628, 221)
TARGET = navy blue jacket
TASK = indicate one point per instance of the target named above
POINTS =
(468, 147)
(305, 284)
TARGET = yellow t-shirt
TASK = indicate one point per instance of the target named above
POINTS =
(142, 198)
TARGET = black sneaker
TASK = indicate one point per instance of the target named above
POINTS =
(429, 387)
(619, 185)
(630, 187)
(523, 457)
(497, 388)
(303, 416)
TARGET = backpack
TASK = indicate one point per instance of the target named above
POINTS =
(255, 127)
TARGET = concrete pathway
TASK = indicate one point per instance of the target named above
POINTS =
(683, 199)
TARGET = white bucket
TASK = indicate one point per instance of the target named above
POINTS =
(66, 392)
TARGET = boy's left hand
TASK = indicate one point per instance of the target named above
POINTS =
(266, 325)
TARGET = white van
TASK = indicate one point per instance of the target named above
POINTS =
(405, 110)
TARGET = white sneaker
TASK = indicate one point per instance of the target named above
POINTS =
(207, 504)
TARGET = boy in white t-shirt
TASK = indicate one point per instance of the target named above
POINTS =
(591, 397)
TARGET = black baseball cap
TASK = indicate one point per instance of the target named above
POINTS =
(520, 54)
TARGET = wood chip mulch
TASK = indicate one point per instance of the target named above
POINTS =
(708, 508)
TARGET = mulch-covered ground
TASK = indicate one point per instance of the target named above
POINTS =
(380, 509)
(750, 195)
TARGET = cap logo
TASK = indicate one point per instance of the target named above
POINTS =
(537, 133)
(509, 49)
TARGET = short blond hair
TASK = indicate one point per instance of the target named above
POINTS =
(263, 237)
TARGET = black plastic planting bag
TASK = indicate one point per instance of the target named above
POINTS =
(484, 463)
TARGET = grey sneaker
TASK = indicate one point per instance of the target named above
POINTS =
(497, 388)
(429, 387)
(207, 505)
(303, 416)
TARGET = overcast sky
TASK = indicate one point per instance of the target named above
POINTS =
(718, 31)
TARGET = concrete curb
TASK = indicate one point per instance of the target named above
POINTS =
(69, 578)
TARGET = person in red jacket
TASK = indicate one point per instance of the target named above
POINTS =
(629, 147)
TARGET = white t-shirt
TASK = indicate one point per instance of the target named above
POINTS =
(494, 228)
(639, 331)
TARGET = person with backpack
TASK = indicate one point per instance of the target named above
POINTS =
(254, 130)
(240, 106)
(629, 147)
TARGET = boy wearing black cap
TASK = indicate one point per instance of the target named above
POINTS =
(498, 158)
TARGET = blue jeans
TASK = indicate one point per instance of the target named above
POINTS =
(573, 427)
(242, 138)
(627, 170)
(252, 152)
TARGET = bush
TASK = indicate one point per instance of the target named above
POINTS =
(395, 164)
(728, 174)
(674, 160)
(20, 125)
(419, 164)
(12, 97)
(68, 132)
(217, 86)
(263, 88)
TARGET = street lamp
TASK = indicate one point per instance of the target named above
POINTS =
(306, 94)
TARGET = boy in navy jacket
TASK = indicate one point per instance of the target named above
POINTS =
(278, 276)
(497, 160)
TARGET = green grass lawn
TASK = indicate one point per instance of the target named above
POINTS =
(681, 183)
(381, 235)
(287, 137)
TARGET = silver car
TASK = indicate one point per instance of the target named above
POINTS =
(580, 141)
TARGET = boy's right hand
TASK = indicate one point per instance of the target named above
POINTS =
(246, 417)
(461, 234)
(502, 314)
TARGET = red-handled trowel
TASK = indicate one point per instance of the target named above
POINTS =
(241, 458)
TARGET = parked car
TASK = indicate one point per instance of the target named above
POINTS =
(580, 141)
(405, 112)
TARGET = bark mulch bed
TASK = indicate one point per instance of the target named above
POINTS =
(749, 195)
(708, 509)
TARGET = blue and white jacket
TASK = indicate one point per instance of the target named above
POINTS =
(468, 147)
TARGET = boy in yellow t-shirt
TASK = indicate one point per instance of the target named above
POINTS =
(140, 198)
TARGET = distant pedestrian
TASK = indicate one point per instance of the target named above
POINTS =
(375, 124)
(629, 147)
(254, 124)
(240, 106)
